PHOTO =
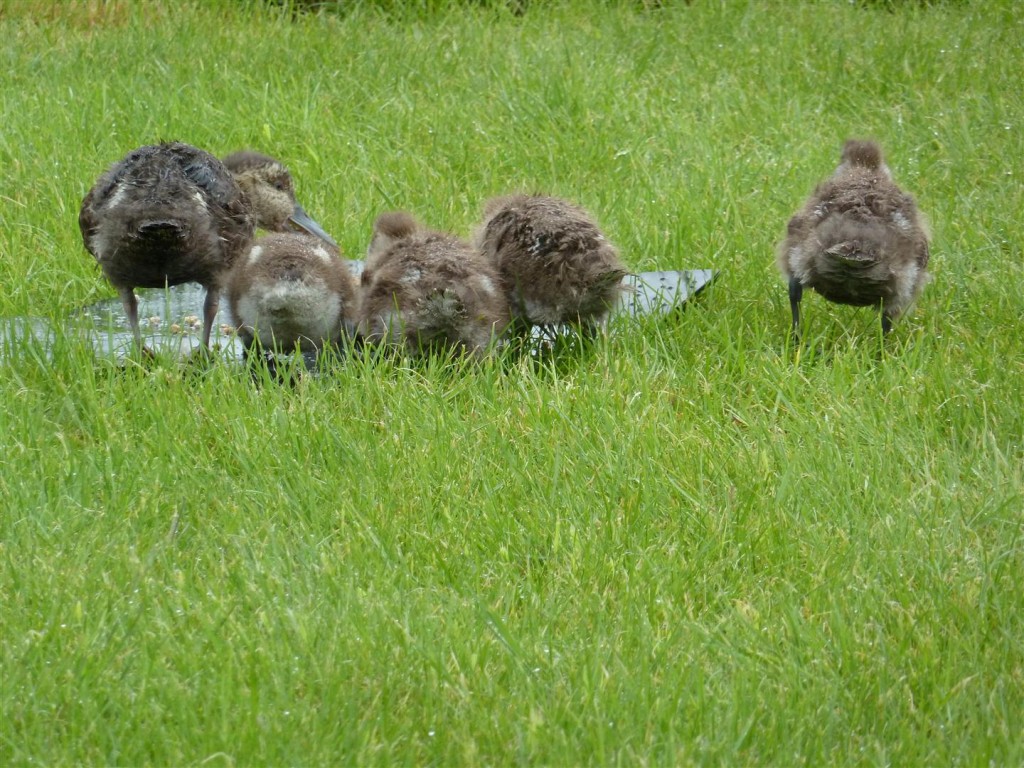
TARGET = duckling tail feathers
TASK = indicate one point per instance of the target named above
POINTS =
(852, 266)
(853, 243)
(157, 226)
(443, 307)
(852, 253)
(165, 232)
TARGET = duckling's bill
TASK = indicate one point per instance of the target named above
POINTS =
(302, 222)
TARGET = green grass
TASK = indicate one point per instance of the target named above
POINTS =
(689, 544)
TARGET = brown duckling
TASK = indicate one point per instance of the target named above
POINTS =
(858, 240)
(268, 185)
(291, 289)
(171, 213)
(423, 289)
(555, 264)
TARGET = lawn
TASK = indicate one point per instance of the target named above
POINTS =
(691, 542)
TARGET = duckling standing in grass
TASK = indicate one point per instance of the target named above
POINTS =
(555, 264)
(166, 214)
(423, 289)
(858, 240)
(171, 213)
(291, 290)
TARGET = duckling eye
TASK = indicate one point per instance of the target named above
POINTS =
(279, 186)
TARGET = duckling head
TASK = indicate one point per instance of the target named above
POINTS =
(268, 186)
(388, 229)
(858, 153)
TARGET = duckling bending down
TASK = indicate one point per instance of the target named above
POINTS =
(166, 214)
(171, 213)
(858, 240)
(291, 290)
(423, 289)
(555, 264)
(271, 192)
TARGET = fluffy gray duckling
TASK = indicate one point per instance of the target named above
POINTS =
(556, 266)
(171, 213)
(859, 239)
(290, 290)
(423, 289)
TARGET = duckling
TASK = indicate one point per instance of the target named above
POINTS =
(163, 215)
(271, 192)
(290, 289)
(555, 264)
(858, 240)
(171, 213)
(424, 289)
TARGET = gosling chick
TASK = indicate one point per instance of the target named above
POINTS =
(425, 290)
(171, 213)
(163, 215)
(858, 240)
(555, 264)
(291, 290)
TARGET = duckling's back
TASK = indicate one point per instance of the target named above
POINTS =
(165, 214)
(427, 289)
(859, 239)
(291, 289)
(555, 263)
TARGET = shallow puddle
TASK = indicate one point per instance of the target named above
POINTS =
(172, 323)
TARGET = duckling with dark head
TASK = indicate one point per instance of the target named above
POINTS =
(424, 290)
(171, 213)
(858, 240)
(556, 265)
(290, 290)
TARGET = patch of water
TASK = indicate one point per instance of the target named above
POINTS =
(171, 319)
(662, 292)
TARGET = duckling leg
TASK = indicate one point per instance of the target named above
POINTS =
(210, 305)
(886, 324)
(796, 293)
(131, 308)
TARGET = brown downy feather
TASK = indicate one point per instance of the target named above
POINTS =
(555, 263)
(163, 215)
(172, 213)
(859, 239)
(291, 290)
(424, 290)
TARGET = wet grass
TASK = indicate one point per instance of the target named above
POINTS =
(688, 543)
